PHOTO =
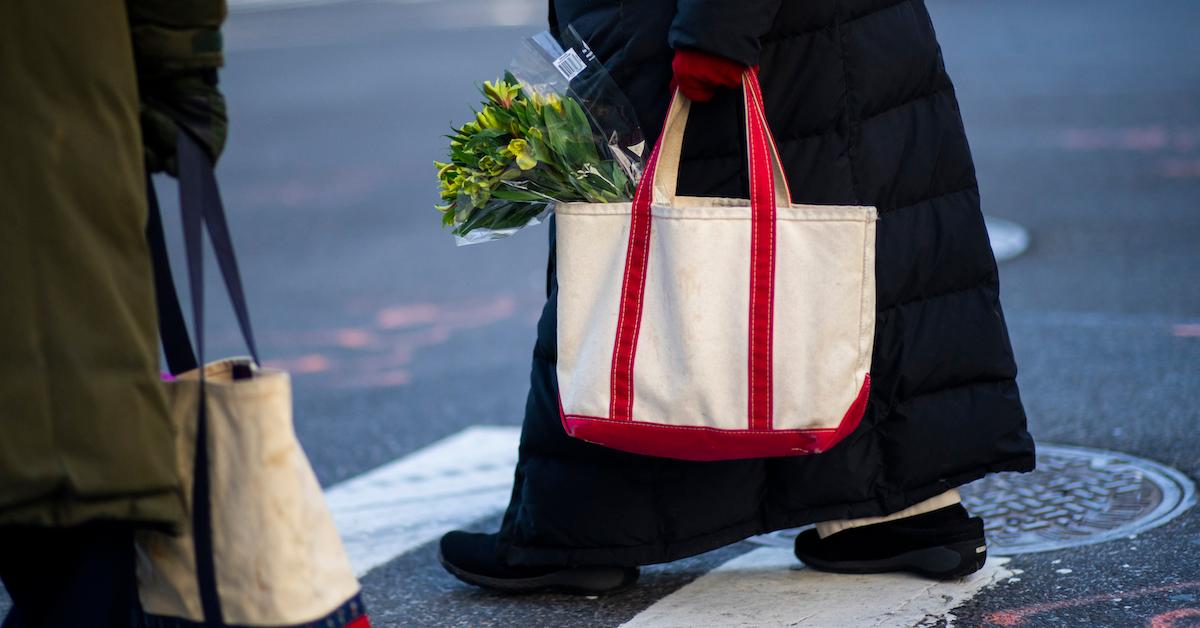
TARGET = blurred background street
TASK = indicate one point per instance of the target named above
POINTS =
(1085, 123)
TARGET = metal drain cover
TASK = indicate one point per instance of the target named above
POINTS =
(1076, 496)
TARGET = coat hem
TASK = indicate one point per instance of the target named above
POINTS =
(161, 510)
(653, 553)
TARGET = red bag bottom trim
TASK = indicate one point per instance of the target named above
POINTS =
(709, 443)
(352, 614)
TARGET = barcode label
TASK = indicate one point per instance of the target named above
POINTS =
(569, 64)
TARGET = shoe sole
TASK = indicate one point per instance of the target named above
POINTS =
(944, 562)
(575, 581)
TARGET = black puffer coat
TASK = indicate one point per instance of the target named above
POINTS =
(865, 114)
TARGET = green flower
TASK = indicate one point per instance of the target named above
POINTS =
(488, 119)
(490, 165)
(501, 92)
(522, 152)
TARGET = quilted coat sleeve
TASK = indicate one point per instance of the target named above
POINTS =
(172, 36)
(730, 28)
(177, 48)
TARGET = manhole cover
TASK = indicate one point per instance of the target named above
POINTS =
(1076, 496)
(1008, 238)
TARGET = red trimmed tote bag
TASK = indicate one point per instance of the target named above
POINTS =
(712, 328)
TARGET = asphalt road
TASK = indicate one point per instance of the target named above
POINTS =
(1085, 123)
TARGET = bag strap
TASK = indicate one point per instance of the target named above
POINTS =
(177, 345)
(200, 208)
(665, 177)
(768, 190)
(199, 197)
(194, 198)
(172, 329)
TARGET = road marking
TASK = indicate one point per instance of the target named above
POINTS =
(1105, 320)
(414, 500)
(1168, 619)
(768, 587)
(1018, 616)
(1187, 330)
(378, 351)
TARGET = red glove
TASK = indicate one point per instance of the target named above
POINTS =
(699, 74)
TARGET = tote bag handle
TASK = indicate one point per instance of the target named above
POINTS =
(768, 189)
(664, 172)
(201, 210)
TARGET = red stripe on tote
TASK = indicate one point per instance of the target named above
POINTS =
(633, 289)
(762, 263)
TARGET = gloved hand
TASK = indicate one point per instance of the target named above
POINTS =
(188, 100)
(698, 74)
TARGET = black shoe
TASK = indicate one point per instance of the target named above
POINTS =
(943, 544)
(475, 559)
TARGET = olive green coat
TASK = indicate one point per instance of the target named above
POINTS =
(84, 433)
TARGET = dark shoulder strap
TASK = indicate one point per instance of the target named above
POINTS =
(202, 210)
(192, 205)
(200, 205)
(177, 346)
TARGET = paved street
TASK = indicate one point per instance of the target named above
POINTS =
(1085, 123)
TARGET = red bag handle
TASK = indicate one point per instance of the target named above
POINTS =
(768, 189)
(663, 171)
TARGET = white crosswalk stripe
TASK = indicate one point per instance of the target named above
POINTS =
(769, 587)
(414, 500)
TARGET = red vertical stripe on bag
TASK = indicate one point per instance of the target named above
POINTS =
(762, 259)
(633, 288)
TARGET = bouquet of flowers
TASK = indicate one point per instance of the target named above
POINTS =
(528, 148)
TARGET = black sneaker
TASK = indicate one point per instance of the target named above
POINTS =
(943, 544)
(475, 559)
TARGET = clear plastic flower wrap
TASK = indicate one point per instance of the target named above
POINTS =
(556, 128)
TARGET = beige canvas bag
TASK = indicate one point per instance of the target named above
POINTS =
(260, 548)
(710, 328)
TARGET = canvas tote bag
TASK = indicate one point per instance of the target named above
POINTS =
(260, 548)
(711, 328)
